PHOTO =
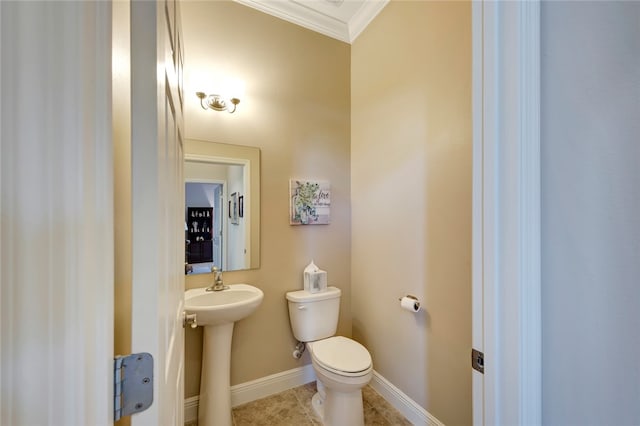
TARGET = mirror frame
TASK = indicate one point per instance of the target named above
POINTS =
(222, 153)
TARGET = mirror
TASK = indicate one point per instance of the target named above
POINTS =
(222, 206)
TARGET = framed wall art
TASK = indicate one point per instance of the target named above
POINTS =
(234, 209)
(310, 202)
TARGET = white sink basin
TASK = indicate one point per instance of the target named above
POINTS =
(222, 307)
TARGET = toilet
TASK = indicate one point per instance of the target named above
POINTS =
(342, 366)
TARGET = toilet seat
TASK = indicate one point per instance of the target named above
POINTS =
(341, 356)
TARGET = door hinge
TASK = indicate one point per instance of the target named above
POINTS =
(477, 360)
(132, 384)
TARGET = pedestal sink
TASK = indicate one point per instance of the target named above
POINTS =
(217, 311)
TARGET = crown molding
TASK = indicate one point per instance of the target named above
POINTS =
(305, 16)
(364, 16)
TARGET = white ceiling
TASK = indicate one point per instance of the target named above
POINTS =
(341, 19)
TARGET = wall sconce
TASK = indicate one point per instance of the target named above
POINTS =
(217, 102)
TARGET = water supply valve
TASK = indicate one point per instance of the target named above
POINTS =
(189, 319)
(299, 350)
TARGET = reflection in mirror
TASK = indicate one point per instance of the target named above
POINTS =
(222, 207)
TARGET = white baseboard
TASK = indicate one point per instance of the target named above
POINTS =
(191, 409)
(257, 389)
(279, 382)
(269, 385)
(401, 402)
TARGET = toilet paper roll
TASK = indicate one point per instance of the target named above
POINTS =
(410, 304)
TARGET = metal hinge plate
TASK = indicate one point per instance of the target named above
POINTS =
(477, 360)
(133, 384)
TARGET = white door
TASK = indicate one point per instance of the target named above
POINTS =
(158, 204)
(506, 212)
(56, 204)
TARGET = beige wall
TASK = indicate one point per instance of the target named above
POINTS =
(296, 110)
(411, 200)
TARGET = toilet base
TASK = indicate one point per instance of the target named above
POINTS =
(317, 403)
(339, 408)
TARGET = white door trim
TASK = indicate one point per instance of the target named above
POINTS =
(506, 212)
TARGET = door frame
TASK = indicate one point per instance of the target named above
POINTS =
(506, 212)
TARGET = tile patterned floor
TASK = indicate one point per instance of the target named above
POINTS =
(293, 408)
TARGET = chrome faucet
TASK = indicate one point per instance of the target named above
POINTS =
(218, 285)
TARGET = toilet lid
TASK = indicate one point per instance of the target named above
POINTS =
(341, 354)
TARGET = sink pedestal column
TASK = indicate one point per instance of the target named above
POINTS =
(214, 406)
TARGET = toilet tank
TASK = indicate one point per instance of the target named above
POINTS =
(314, 316)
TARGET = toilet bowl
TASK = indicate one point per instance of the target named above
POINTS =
(342, 366)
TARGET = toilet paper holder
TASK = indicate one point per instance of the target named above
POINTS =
(410, 296)
(410, 303)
